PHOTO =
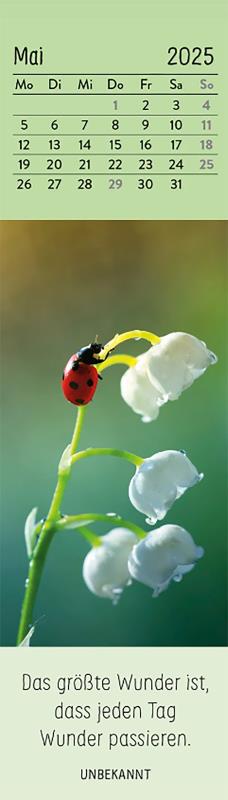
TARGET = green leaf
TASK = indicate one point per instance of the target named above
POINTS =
(26, 640)
(30, 524)
(65, 461)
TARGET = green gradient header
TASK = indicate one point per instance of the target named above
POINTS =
(154, 145)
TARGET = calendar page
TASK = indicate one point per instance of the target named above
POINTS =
(113, 262)
(114, 111)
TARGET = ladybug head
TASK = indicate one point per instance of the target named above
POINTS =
(96, 347)
(88, 354)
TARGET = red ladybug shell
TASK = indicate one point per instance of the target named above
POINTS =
(79, 381)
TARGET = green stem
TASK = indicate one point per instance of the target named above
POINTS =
(52, 522)
(47, 533)
(124, 337)
(113, 519)
(90, 537)
(128, 361)
(32, 584)
(108, 451)
(77, 430)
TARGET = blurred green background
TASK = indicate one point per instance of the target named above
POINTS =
(63, 282)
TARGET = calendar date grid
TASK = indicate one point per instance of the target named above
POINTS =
(176, 140)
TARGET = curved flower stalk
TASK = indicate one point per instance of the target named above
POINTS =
(165, 555)
(159, 481)
(73, 522)
(105, 568)
(164, 372)
(169, 366)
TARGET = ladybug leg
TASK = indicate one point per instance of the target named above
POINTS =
(100, 377)
(101, 360)
(108, 354)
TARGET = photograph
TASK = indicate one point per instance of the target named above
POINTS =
(113, 430)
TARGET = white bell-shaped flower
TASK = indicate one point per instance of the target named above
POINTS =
(105, 568)
(138, 392)
(175, 362)
(166, 554)
(163, 372)
(159, 481)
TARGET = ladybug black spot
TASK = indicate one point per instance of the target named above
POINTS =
(80, 402)
(63, 376)
(75, 366)
(73, 385)
(90, 382)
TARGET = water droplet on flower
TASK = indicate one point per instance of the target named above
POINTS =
(164, 398)
(212, 358)
(150, 520)
(200, 476)
(137, 338)
(26, 582)
(116, 596)
(177, 578)
(180, 490)
(112, 514)
(200, 552)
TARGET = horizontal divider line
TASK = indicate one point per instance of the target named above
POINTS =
(126, 74)
(115, 94)
(172, 154)
(89, 136)
(114, 172)
(172, 114)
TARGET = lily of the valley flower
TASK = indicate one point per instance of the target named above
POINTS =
(138, 392)
(159, 481)
(105, 568)
(166, 554)
(164, 372)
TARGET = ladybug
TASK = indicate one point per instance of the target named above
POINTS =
(80, 377)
